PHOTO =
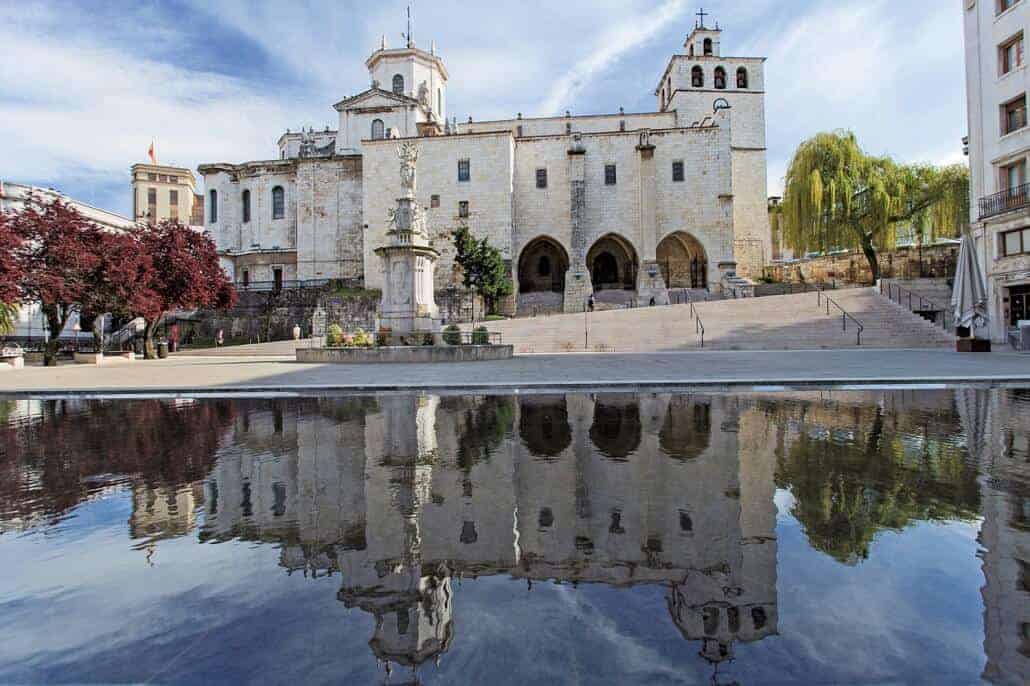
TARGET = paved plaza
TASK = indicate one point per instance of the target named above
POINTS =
(274, 374)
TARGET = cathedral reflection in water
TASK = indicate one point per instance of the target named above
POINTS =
(403, 494)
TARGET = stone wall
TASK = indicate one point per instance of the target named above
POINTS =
(852, 267)
(330, 231)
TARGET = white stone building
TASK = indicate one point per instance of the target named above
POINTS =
(624, 205)
(999, 145)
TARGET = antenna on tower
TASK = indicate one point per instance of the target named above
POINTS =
(407, 36)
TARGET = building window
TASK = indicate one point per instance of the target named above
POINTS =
(1013, 176)
(697, 77)
(708, 46)
(1010, 55)
(742, 78)
(152, 205)
(378, 130)
(398, 84)
(463, 209)
(439, 101)
(541, 178)
(1013, 115)
(609, 175)
(622, 125)
(434, 201)
(464, 170)
(173, 205)
(518, 131)
(246, 278)
(568, 127)
(151, 177)
(720, 78)
(1015, 242)
(246, 206)
(677, 171)
(1004, 5)
(278, 203)
(213, 210)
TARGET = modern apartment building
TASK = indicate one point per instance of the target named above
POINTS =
(997, 83)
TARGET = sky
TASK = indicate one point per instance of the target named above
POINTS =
(86, 86)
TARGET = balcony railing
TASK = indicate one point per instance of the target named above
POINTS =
(1014, 198)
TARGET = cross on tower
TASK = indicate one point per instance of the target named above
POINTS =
(702, 14)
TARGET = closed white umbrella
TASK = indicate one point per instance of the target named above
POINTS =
(969, 296)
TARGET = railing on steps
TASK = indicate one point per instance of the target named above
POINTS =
(845, 315)
(699, 327)
(892, 289)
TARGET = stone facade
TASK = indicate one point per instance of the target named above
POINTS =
(575, 204)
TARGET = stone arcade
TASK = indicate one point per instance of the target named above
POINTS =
(626, 205)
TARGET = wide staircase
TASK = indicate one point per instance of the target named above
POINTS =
(788, 322)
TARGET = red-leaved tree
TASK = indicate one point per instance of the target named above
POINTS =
(10, 274)
(185, 275)
(57, 259)
(120, 284)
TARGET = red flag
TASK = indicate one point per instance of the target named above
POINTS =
(150, 153)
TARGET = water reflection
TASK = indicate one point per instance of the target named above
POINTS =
(401, 497)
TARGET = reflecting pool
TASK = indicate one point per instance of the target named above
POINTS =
(797, 537)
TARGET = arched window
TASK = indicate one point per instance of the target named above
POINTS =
(378, 130)
(246, 206)
(708, 46)
(742, 78)
(697, 77)
(398, 84)
(214, 206)
(278, 203)
(691, 49)
(720, 78)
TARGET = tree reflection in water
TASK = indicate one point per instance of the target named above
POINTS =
(404, 496)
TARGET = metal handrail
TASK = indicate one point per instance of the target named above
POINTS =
(845, 315)
(902, 292)
(699, 327)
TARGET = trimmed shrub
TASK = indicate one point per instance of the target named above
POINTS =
(481, 336)
(362, 339)
(427, 339)
(452, 335)
(334, 336)
(494, 318)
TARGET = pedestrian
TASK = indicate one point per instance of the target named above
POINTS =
(220, 338)
(590, 302)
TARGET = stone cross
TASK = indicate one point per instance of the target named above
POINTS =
(702, 14)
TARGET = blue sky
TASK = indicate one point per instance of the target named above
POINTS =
(85, 86)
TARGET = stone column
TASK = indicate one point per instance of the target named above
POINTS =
(650, 282)
(577, 280)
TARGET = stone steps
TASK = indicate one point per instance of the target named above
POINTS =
(787, 322)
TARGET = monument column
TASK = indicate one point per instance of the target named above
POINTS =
(650, 282)
(577, 283)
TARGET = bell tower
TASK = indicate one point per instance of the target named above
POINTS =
(698, 82)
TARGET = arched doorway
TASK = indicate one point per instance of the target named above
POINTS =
(683, 261)
(612, 262)
(542, 266)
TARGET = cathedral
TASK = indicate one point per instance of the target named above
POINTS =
(629, 207)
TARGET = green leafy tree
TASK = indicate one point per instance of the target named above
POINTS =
(837, 196)
(484, 268)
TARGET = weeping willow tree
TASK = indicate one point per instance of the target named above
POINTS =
(836, 196)
(8, 312)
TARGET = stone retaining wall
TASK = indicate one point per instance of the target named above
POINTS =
(396, 355)
(852, 267)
